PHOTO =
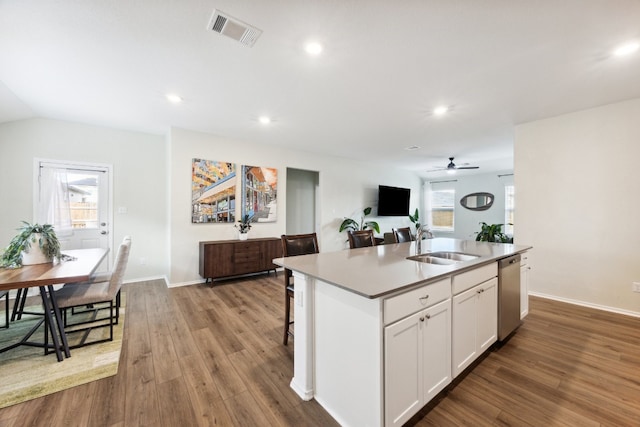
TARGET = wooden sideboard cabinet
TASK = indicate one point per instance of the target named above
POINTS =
(226, 258)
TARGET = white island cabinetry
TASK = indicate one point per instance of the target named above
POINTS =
(378, 335)
(525, 267)
(475, 315)
(417, 357)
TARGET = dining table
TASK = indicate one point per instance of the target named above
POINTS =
(77, 265)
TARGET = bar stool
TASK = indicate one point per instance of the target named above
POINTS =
(294, 245)
(402, 235)
(361, 239)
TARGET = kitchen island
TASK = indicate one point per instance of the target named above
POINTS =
(377, 335)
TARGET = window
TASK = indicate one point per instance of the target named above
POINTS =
(509, 204)
(441, 209)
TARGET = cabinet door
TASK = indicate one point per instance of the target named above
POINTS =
(464, 337)
(436, 349)
(487, 314)
(524, 291)
(403, 370)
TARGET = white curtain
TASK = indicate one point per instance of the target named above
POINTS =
(53, 206)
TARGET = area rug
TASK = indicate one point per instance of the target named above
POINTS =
(26, 373)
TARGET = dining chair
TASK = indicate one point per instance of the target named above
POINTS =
(5, 295)
(402, 235)
(361, 239)
(86, 296)
(294, 245)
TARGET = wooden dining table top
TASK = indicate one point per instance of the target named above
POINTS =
(80, 268)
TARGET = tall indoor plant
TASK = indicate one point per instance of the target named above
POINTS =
(353, 225)
(35, 244)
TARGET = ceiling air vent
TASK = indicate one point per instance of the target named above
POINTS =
(234, 28)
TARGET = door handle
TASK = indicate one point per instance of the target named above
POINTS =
(104, 232)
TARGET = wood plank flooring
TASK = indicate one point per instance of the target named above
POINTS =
(202, 356)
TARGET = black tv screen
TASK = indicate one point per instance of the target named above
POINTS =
(393, 201)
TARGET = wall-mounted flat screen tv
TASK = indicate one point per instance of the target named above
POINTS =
(393, 201)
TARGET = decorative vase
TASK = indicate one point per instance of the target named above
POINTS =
(243, 236)
(35, 254)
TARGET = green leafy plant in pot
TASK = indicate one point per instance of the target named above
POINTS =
(353, 225)
(23, 248)
(415, 219)
(491, 233)
(243, 226)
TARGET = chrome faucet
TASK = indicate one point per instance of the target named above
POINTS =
(420, 233)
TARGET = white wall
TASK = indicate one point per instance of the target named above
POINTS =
(577, 203)
(467, 222)
(346, 187)
(139, 165)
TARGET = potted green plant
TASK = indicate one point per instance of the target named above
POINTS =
(351, 224)
(243, 226)
(415, 219)
(35, 244)
(491, 233)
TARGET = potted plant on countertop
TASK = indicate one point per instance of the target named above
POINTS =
(492, 233)
(351, 224)
(243, 226)
(35, 244)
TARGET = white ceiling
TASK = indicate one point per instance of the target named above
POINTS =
(384, 67)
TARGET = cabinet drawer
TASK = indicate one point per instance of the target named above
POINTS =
(410, 302)
(467, 280)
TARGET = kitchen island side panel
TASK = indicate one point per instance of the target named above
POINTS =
(348, 355)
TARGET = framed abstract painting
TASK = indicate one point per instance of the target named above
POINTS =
(213, 191)
(259, 193)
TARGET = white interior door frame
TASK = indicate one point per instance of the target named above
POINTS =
(80, 167)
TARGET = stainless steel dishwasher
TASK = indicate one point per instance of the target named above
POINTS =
(508, 296)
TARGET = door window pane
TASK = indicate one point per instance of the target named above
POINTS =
(83, 199)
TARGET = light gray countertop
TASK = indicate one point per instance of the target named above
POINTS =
(380, 270)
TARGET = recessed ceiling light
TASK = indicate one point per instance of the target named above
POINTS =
(439, 111)
(626, 49)
(313, 48)
(264, 120)
(172, 97)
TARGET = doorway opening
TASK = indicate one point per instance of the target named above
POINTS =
(302, 201)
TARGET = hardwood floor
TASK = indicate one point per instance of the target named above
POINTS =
(201, 356)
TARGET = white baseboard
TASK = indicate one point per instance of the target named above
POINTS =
(178, 284)
(587, 304)
(148, 279)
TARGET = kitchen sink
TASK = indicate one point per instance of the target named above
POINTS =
(428, 259)
(455, 256)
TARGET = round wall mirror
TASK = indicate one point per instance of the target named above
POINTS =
(477, 201)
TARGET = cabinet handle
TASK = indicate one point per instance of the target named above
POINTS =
(480, 291)
(422, 319)
(428, 316)
(424, 298)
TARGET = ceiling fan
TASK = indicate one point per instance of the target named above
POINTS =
(451, 167)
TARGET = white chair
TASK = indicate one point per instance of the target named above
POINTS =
(102, 289)
(5, 295)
